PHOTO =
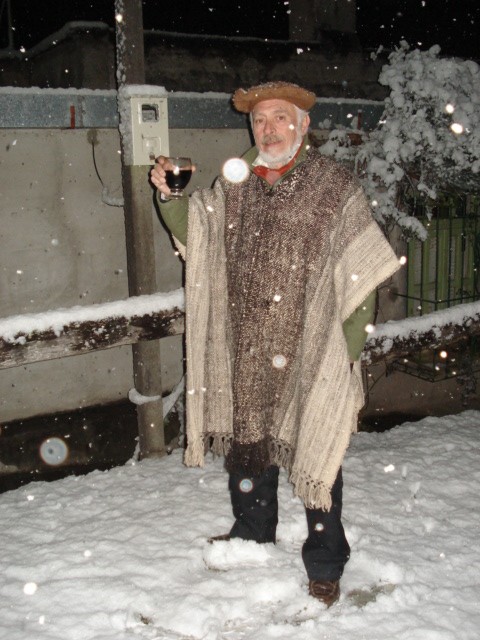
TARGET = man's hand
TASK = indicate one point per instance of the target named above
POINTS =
(157, 176)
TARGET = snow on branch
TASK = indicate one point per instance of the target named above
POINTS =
(426, 142)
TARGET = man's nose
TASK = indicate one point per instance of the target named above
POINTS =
(269, 127)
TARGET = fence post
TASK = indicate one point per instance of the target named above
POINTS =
(139, 234)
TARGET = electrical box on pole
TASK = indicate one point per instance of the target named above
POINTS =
(149, 122)
(143, 123)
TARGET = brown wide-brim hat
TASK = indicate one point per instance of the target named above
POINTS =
(244, 100)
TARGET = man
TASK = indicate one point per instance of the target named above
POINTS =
(281, 273)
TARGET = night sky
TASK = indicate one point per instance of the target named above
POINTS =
(452, 24)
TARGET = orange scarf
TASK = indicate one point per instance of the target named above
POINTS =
(272, 175)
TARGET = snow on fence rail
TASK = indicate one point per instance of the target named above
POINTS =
(399, 338)
(54, 334)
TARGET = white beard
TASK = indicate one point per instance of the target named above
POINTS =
(275, 162)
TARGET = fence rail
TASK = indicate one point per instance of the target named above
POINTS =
(437, 330)
(390, 341)
(84, 337)
(29, 338)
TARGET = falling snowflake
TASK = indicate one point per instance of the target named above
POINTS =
(279, 361)
(30, 588)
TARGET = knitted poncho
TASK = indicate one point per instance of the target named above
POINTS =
(271, 274)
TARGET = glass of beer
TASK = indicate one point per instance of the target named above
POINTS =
(178, 173)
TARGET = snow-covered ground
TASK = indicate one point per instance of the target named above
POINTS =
(123, 555)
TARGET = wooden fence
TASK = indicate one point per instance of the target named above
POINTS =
(392, 340)
(25, 339)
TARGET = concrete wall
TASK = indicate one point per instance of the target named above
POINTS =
(394, 396)
(63, 246)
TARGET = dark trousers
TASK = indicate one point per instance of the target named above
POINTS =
(255, 508)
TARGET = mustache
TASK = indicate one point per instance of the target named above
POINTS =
(273, 137)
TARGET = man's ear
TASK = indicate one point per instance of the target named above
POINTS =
(305, 124)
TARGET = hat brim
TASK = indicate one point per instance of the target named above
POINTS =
(244, 100)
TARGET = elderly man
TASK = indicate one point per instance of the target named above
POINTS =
(281, 273)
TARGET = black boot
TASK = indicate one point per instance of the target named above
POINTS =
(326, 550)
(255, 505)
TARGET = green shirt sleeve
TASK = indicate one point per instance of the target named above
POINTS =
(354, 326)
(175, 215)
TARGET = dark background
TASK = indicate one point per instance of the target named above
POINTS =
(453, 24)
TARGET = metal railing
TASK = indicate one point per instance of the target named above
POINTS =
(443, 270)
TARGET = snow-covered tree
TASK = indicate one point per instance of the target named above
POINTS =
(427, 141)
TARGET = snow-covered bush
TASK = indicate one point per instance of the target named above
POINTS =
(427, 141)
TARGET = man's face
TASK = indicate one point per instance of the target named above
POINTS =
(276, 130)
